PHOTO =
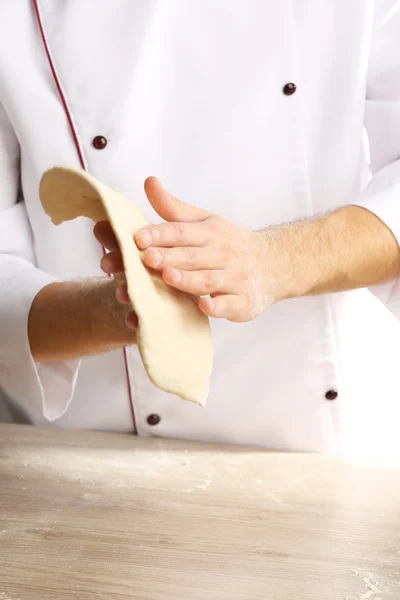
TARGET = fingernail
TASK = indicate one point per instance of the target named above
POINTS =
(144, 238)
(131, 321)
(121, 294)
(104, 264)
(174, 275)
(154, 257)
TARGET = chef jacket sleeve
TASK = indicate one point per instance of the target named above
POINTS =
(382, 119)
(46, 388)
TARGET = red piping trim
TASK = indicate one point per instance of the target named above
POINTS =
(135, 432)
(81, 160)
(58, 85)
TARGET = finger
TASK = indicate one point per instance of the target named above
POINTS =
(121, 294)
(169, 235)
(168, 207)
(104, 234)
(120, 279)
(112, 263)
(131, 320)
(197, 283)
(188, 259)
(225, 306)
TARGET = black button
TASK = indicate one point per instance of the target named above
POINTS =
(99, 142)
(153, 419)
(331, 395)
(289, 89)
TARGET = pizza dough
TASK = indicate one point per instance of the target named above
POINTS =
(173, 335)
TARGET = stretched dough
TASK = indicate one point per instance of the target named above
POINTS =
(174, 335)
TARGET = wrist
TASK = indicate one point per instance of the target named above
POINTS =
(73, 319)
(301, 254)
(285, 276)
(107, 316)
(346, 249)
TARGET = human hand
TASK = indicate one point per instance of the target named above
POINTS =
(239, 273)
(205, 255)
(104, 234)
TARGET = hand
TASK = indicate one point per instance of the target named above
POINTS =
(204, 255)
(239, 273)
(104, 234)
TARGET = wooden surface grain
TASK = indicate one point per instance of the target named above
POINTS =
(94, 516)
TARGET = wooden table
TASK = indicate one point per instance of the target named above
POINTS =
(94, 516)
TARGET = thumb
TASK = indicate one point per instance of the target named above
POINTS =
(170, 208)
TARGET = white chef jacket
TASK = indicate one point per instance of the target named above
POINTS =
(193, 92)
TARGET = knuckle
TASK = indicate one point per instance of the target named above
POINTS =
(230, 250)
(215, 222)
(164, 259)
(231, 257)
(190, 256)
(178, 230)
(211, 225)
(212, 280)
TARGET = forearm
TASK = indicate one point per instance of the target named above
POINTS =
(73, 319)
(238, 273)
(347, 249)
